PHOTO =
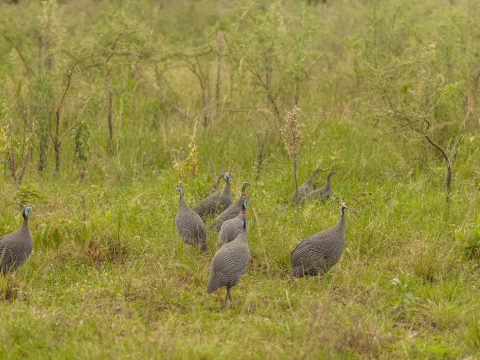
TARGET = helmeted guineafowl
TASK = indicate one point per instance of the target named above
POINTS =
(189, 224)
(229, 263)
(215, 184)
(306, 187)
(318, 253)
(232, 228)
(217, 202)
(323, 192)
(16, 247)
(231, 211)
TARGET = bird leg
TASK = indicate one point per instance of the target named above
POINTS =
(227, 297)
(225, 301)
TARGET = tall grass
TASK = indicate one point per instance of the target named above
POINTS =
(169, 89)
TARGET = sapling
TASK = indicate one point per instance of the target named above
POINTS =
(407, 95)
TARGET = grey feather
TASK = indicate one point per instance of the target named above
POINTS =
(229, 263)
(216, 202)
(16, 247)
(319, 252)
(231, 212)
(306, 187)
(231, 228)
(189, 224)
(323, 192)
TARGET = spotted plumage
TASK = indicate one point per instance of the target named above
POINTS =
(229, 263)
(189, 224)
(16, 247)
(306, 187)
(323, 192)
(233, 227)
(231, 212)
(319, 252)
(216, 202)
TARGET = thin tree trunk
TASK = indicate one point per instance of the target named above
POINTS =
(202, 78)
(448, 178)
(56, 147)
(220, 45)
(56, 140)
(57, 143)
(297, 92)
(295, 179)
(269, 96)
(108, 89)
(110, 119)
(12, 165)
(260, 155)
(232, 81)
(217, 84)
(84, 207)
(42, 159)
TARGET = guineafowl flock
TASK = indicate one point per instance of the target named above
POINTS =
(312, 256)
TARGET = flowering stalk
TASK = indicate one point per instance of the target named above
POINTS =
(292, 138)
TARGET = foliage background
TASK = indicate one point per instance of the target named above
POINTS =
(105, 105)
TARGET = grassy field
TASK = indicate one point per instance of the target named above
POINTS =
(194, 87)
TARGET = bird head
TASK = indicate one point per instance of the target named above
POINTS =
(26, 211)
(343, 206)
(227, 176)
(244, 186)
(331, 173)
(179, 188)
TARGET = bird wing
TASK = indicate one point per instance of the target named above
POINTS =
(229, 213)
(209, 203)
(309, 250)
(320, 191)
(190, 225)
(229, 260)
(305, 187)
(230, 229)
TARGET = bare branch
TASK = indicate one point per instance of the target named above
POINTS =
(20, 54)
(448, 180)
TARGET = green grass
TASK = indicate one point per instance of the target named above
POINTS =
(109, 276)
(147, 296)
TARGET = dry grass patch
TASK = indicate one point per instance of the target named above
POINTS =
(9, 288)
